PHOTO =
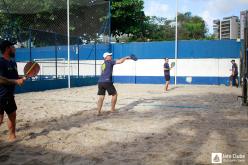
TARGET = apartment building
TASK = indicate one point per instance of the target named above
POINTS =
(228, 28)
(216, 28)
(243, 22)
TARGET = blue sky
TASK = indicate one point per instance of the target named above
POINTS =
(207, 9)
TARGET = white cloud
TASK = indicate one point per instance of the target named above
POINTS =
(243, 1)
(217, 9)
(220, 6)
(224, 8)
(208, 19)
(157, 8)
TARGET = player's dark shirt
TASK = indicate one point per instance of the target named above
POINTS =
(107, 70)
(235, 68)
(166, 72)
(8, 69)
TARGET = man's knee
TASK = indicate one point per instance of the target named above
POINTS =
(114, 95)
(12, 116)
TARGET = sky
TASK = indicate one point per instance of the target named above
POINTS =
(209, 10)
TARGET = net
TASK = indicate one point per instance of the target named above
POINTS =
(40, 28)
(88, 18)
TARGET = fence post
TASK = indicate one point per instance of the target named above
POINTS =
(56, 55)
(78, 55)
(30, 44)
(95, 58)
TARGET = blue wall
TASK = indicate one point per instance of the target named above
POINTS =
(86, 52)
(186, 49)
(204, 49)
(143, 50)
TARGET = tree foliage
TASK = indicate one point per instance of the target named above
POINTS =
(191, 27)
(87, 16)
(159, 29)
(128, 18)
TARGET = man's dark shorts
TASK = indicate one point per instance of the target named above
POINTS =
(167, 77)
(7, 104)
(234, 77)
(103, 86)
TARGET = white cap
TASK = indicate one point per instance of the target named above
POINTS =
(106, 54)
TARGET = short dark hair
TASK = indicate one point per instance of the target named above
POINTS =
(5, 44)
(233, 61)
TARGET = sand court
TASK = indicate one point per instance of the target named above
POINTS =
(182, 126)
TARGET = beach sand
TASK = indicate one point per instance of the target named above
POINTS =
(180, 127)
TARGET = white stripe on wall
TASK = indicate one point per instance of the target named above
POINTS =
(186, 67)
(147, 67)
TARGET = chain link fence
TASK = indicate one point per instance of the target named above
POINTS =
(40, 29)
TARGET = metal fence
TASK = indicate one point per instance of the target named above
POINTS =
(38, 24)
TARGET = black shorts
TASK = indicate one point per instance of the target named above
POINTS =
(234, 77)
(102, 87)
(7, 104)
(167, 77)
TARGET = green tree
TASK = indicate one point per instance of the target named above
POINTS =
(128, 18)
(86, 18)
(191, 27)
(159, 29)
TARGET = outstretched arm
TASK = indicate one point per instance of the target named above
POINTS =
(122, 60)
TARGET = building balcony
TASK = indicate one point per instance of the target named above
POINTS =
(225, 30)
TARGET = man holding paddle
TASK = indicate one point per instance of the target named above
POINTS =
(167, 69)
(105, 81)
(234, 75)
(9, 78)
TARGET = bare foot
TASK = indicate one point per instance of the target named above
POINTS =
(113, 111)
(99, 114)
(12, 138)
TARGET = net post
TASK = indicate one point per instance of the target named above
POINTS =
(68, 43)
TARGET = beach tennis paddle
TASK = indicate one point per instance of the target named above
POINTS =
(31, 69)
(173, 64)
(133, 57)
